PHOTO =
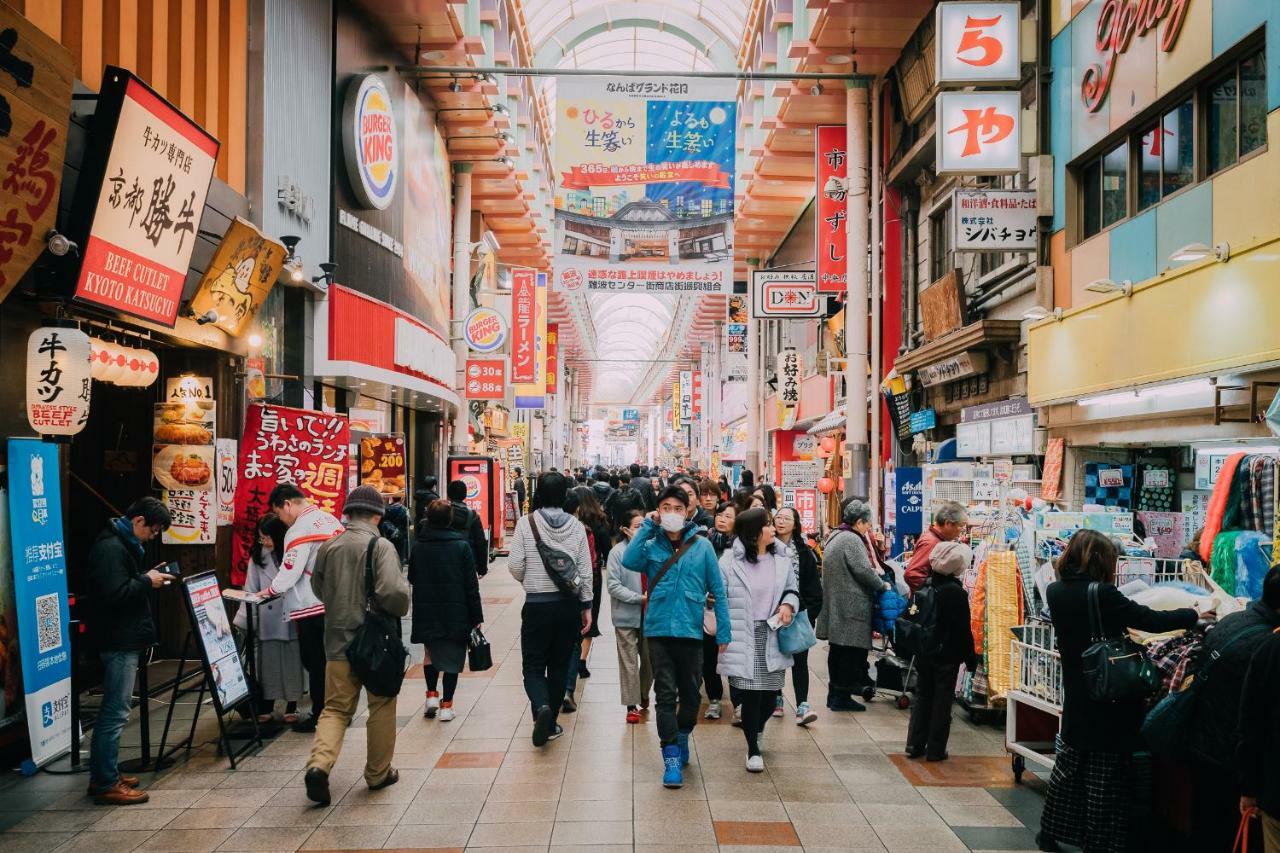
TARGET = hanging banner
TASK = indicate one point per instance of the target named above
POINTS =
(382, 464)
(518, 455)
(59, 382)
(553, 356)
(788, 368)
(806, 506)
(735, 340)
(533, 394)
(40, 594)
(785, 293)
(283, 445)
(676, 421)
(908, 505)
(832, 194)
(686, 395)
(147, 202)
(238, 279)
(645, 183)
(226, 476)
(524, 306)
(35, 95)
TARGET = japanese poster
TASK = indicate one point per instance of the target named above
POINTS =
(832, 194)
(735, 336)
(217, 643)
(283, 445)
(195, 516)
(382, 463)
(184, 462)
(533, 394)
(59, 382)
(226, 476)
(148, 206)
(35, 99)
(995, 220)
(239, 277)
(645, 182)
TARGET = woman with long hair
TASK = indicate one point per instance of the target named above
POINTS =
(582, 504)
(786, 522)
(1090, 798)
(721, 538)
(760, 582)
(768, 495)
(278, 650)
(627, 597)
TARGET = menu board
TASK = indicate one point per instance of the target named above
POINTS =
(210, 624)
(183, 462)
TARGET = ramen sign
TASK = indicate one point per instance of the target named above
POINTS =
(372, 146)
(484, 330)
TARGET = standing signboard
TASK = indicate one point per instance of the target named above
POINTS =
(40, 594)
(832, 194)
(147, 196)
(217, 645)
(478, 473)
(784, 293)
(995, 220)
(644, 193)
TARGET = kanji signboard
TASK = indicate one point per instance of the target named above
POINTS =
(686, 396)
(784, 293)
(147, 203)
(806, 506)
(979, 133)
(995, 220)
(978, 43)
(553, 356)
(532, 394)
(788, 387)
(59, 384)
(832, 195)
(486, 378)
(524, 340)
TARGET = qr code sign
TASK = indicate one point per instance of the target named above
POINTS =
(48, 622)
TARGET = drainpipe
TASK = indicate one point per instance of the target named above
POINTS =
(461, 297)
(855, 328)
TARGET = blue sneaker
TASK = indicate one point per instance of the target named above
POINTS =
(682, 741)
(672, 776)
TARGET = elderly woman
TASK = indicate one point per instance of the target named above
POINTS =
(850, 583)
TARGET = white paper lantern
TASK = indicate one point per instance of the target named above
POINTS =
(150, 370)
(101, 356)
(115, 363)
(58, 380)
(141, 368)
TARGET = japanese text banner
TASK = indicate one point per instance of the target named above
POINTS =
(283, 445)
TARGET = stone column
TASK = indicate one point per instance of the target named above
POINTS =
(461, 298)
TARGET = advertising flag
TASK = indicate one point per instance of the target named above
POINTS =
(532, 394)
(553, 356)
(524, 344)
(832, 195)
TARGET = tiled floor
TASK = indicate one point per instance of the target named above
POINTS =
(477, 783)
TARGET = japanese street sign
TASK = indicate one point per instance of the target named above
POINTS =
(832, 190)
(995, 220)
(35, 97)
(801, 475)
(524, 343)
(978, 43)
(788, 387)
(226, 476)
(486, 378)
(968, 363)
(806, 506)
(686, 395)
(147, 204)
(553, 356)
(59, 383)
(735, 340)
(924, 419)
(993, 411)
(782, 293)
(979, 133)
(239, 277)
(676, 422)
(533, 394)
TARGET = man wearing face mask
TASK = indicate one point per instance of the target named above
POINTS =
(680, 569)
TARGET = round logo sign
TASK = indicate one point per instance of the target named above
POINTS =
(371, 142)
(473, 486)
(485, 330)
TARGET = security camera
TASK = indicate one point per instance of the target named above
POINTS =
(210, 316)
(58, 244)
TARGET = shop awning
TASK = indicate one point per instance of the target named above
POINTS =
(979, 335)
(834, 420)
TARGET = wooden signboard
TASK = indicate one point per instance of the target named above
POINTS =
(942, 306)
(239, 277)
(35, 107)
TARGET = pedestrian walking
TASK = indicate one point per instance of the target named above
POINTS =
(582, 505)
(949, 521)
(551, 620)
(790, 534)
(446, 605)
(930, 725)
(339, 580)
(850, 584)
(278, 654)
(519, 487)
(119, 611)
(721, 538)
(1090, 798)
(668, 544)
(627, 600)
(309, 527)
(467, 522)
(761, 585)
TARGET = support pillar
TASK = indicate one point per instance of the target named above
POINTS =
(461, 298)
(855, 326)
(877, 302)
(755, 389)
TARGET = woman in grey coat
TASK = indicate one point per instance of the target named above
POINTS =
(850, 584)
(760, 582)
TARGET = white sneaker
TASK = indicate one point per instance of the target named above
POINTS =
(446, 714)
(805, 716)
(713, 710)
(433, 705)
(755, 763)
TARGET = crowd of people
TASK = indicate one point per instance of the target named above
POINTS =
(705, 584)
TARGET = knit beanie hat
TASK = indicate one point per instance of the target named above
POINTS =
(950, 558)
(365, 499)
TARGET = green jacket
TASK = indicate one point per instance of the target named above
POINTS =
(338, 581)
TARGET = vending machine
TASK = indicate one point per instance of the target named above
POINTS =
(483, 476)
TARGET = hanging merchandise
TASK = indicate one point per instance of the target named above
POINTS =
(1155, 491)
(1003, 612)
(58, 380)
(1108, 485)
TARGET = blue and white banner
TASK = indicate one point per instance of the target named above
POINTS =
(40, 594)
(909, 505)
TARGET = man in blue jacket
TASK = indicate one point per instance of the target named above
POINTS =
(672, 620)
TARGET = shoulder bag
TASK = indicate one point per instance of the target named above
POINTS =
(561, 567)
(377, 654)
(798, 636)
(1117, 669)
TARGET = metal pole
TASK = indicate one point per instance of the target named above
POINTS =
(755, 392)
(461, 297)
(469, 71)
(855, 325)
(877, 298)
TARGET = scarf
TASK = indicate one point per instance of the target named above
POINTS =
(124, 529)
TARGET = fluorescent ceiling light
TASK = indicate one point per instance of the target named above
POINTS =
(1175, 389)
(1106, 285)
(1199, 251)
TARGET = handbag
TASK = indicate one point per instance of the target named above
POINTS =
(377, 654)
(479, 652)
(1167, 728)
(798, 636)
(1117, 669)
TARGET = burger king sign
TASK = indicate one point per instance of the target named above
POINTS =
(485, 330)
(372, 147)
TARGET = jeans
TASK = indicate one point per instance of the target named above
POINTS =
(118, 672)
(930, 724)
(548, 632)
(343, 696)
(677, 676)
(571, 674)
(710, 659)
(311, 645)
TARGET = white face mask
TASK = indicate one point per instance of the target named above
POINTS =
(672, 522)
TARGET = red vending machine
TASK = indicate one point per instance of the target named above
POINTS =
(483, 477)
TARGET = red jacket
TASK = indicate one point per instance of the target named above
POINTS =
(918, 569)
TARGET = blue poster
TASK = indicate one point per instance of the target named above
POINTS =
(40, 593)
(909, 506)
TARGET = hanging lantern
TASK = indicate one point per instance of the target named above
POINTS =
(100, 358)
(143, 368)
(826, 484)
(58, 380)
(115, 365)
(828, 444)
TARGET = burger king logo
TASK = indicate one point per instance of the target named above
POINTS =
(371, 143)
(485, 330)
(473, 486)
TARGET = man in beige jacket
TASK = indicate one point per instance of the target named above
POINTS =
(338, 581)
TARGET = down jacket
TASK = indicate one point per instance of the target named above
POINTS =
(446, 592)
(850, 584)
(739, 659)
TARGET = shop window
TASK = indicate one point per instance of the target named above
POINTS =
(1236, 107)
(941, 255)
(1106, 189)
(1166, 163)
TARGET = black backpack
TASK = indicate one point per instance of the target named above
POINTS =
(377, 654)
(561, 567)
(915, 632)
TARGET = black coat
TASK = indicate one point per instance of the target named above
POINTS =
(1258, 752)
(467, 522)
(120, 594)
(446, 592)
(810, 580)
(1086, 724)
(1216, 715)
(954, 630)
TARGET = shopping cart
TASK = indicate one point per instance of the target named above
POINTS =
(1034, 704)
(895, 675)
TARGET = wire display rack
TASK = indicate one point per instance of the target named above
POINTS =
(1033, 708)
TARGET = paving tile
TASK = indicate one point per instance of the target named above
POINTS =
(740, 832)
(840, 813)
(977, 816)
(132, 817)
(665, 832)
(593, 810)
(365, 814)
(470, 760)
(516, 792)
(518, 812)
(997, 838)
(969, 771)
(269, 839)
(114, 841)
(600, 832)
(747, 810)
(347, 838)
(185, 840)
(222, 818)
(823, 834)
(922, 838)
(506, 834)
(36, 842)
(68, 820)
(428, 837)
(436, 811)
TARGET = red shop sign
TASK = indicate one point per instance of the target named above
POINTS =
(832, 194)
(486, 378)
(524, 327)
(553, 356)
(1119, 21)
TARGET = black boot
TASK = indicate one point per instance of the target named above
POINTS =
(840, 700)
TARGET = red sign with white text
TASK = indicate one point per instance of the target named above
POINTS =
(697, 392)
(553, 356)
(524, 326)
(700, 171)
(486, 378)
(832, 195)
(807, 509)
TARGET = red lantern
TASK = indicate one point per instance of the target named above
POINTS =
(828, 444)
(826, 484)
